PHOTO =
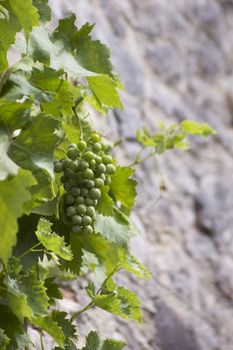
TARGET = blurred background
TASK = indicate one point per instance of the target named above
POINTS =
(176, 61)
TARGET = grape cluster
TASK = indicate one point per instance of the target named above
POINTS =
(86, 169)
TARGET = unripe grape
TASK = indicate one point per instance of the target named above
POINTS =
(70, 174)
(73, 165)
(69, 200)
(72, 145)
(95, 137)
(91, 212)
(88, 229)
(79, 200)
(76, 219)
(97, 147)
(89, 184)
(99, 182)
(86, 220)
(72, 153)
(70, 211)
(58, 167)
(65, 163)
(89, 201)
(76, 228)
(98, 159)
(82, 145)
(108, 180)
(101, 168)
(107, 159)
(95, 193)
(75, 191)
(110, 169)
(88, 174)
(92, 163)
(84, 192)
(81, 209)
(102, 176)
(67, 186)
(64, 179)
(89, 155)
(83, 165)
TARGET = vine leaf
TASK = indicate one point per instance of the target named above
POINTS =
(93, 342)
(43, 9)
(7, 166)
(27, 14)
(132, 265)
(13, 194)
(122, 187)
(26, 295)
(13, 115)
(104, 90)
(194, 128)
(52, 241)
(33, 148)
(107, 227)
(4, 340)
(121, 302)
(105, 203)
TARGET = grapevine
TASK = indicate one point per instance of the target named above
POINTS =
(65, 203)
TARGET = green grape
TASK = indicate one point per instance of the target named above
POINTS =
(76, 219)
(83, 165)
(86, 220)
(84, 192)
(97, 147)
(76, 228)
(91, 212)
(79, 175)
(69, 200)
(82, 145)
(72, 145)
(101, 168)
(89, 201)
(88, 229)
(81, 209)
(108, 180)
(89, 155)
(65, 163)
(73, 165)
(103, 176)
(67, 186)
(79, 200)
(95, 137)
(70, 211)
(107, 159)
(75, 191)
(110, 169)
(95, 193)
(64, 179)
(72, 153)
(58, 167)
(98, 159)
(70, 174)
(89, 184)
(92, 163)
(88, 174)
(99, 182)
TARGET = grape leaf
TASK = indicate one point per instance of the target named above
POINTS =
(132, 265)
(26, 295)
(122, 303)
(26, 13)
(13, 194)
(43, 9)
(107, 227)
(194, 128)
(104, 90)
(52, 290)
(49, 325)
(7, 166)
(93, 342)
(13, 115)
(4, 340)
(105, 203)
(52, 241)
(34, 146)
(122, 187)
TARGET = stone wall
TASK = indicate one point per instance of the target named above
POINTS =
(175, 59)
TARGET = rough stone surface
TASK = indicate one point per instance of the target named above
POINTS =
(175, 59)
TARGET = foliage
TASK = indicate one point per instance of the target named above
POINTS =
(44, 131)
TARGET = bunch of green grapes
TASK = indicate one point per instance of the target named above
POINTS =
(86, 169)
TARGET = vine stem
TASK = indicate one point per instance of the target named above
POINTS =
(78, 101)
(139, 160)
(41, 340)
(29, 250)
(92, 304)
